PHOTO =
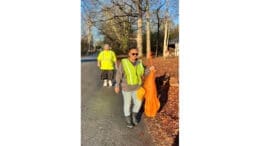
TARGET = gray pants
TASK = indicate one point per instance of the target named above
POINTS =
(128, 98)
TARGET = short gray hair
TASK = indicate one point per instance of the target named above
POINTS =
(106, 45)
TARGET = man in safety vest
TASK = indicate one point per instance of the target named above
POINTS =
(129, 75)
(105, 61)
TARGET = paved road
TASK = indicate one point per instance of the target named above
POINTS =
(89, 58)
(102, 114)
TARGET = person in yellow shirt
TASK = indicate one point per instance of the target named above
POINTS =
(106, 61)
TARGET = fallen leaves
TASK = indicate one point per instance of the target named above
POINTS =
(164, 128)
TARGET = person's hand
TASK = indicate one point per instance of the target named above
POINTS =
(152, 68)
(117, 90)
(116, 66)
(98, 64)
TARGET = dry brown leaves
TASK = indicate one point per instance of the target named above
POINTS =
(164, 128)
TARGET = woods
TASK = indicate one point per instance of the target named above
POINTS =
(148, 25)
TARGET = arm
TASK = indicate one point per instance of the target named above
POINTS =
(99, 59)
(148, 69)
(98, 63)
(115, 60)
(119, 76)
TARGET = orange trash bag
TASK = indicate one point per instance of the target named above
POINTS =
(140, 93)
(152, 103)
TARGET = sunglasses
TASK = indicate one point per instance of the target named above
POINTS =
(136, 54)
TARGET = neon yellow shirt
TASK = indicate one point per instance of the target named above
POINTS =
(107, 59)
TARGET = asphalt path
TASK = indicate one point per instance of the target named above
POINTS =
(102, 119)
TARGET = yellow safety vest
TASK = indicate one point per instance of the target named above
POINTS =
(133, 73)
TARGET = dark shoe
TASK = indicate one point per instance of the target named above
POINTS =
(128, 122)
(135, 122)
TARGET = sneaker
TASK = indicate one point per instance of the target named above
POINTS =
(105, 83)
(129, 125)
(110, 83)
(128, 122)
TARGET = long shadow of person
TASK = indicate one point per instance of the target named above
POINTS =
(162, 85)
(176, 140)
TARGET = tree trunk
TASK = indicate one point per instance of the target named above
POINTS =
(165, 42)
(158, 30)
(148, 31)
(139, 39)
(158, 33)
(89, 35)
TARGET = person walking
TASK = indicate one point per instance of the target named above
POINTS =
(106, 61)
(129, 75)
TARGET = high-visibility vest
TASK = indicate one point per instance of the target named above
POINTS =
(133, 73)
(107, 59)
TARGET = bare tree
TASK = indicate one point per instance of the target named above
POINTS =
(148, 30)
(120, 22)
(114, 20)
(158, 27)
(166, 31)
(139, 39)
(89, 34)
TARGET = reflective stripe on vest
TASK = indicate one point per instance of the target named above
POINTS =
(133, 73)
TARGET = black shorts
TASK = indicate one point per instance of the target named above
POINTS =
(107, 74)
